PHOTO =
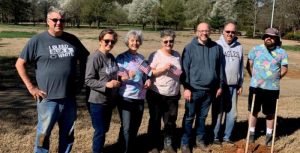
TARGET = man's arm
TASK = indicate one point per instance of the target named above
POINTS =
(185, 61)
(249, 67)
(33, 90)
(241, 81)
(82, 61)
(222, 72)
(82, 69)
(283, 71)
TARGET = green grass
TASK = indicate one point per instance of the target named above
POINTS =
(22, 27)
(16, 34)
(291, 48)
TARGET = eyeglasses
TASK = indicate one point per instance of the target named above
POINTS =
(228, 32)
(168, 41)
(203, 31)
(107, 41)
(56, 20)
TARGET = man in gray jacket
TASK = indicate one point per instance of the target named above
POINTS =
(202, 79)
(233, 63)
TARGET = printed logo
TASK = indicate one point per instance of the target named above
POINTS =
(232, 53)
(60, 51)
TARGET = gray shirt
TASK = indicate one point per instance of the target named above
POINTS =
(233, 61)
(55, 60)
(101, 68)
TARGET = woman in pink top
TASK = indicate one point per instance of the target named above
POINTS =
(164, 93)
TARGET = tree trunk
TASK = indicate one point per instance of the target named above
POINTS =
(144, 25)
(98, 24)
(255, 8)
(77, 22)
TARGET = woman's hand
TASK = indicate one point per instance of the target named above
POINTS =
(113, 84)
(147, 84)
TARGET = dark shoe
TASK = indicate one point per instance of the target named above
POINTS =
(154, 150)
(185, 149)
(268, 141)
(252, 137)
(217, 142)
(228, 142)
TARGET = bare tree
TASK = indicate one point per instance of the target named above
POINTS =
(96, 10)
(172, 12)
(139, 11)
(73, 7)
(294, 8)
(196, 11)
(118, 15)
(226, 8)
(34, 11)
(255, 12)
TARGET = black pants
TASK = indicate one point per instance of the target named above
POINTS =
(161, 107)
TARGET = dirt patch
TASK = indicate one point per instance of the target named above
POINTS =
(253, 147)
(239, 147)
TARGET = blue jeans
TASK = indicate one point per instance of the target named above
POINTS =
(101, 116)
(51, 111)
(227, 106)
(131, 113)
(199, 107)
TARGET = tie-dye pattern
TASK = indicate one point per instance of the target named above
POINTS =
(266, 67)
(134, 87)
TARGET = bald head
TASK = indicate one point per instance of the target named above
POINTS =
(203, 25)
(203, 32)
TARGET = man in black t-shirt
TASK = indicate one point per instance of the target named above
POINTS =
(55, 55)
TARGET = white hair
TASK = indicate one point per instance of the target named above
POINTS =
(136, 34)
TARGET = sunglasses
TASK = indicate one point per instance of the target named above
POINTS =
(56, 20)
(168, 41)
(107, 41)
(269, 36)
(228, 32)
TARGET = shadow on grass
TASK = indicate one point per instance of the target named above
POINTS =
(3, 44)
(17, 108)
(8, 73)
(13, 93)
(285, 126)
(143, 144)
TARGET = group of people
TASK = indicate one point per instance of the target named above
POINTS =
(211, 74)
(126, 81)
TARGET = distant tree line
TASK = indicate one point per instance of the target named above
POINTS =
(251, 15)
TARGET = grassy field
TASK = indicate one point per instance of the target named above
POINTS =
(18, 113)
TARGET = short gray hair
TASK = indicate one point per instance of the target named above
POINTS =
(167, 32)
(136, 34)
(56, 10)
(230, 22)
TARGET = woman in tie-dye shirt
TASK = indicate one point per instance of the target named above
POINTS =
(133, 73)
